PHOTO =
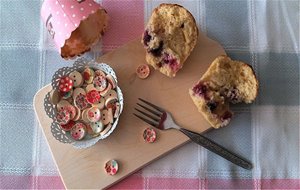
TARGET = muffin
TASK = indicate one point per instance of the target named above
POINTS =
(84, 37)
(169, 38)
(226, 81)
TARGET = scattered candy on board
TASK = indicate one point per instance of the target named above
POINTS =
(143, 71)
(111, 167)
(87, 103)
(149, 135)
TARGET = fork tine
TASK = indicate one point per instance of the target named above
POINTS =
(146, 120)
(150, 110)
(152, 105)
(148, 115)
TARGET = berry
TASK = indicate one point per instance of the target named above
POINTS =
(146, 38)
(212, 105)
(157, 51)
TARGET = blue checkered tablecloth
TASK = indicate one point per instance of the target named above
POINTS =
(263, 33)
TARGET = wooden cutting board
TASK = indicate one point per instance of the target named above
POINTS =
(84, 169)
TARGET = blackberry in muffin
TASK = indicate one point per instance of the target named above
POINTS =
(169, 38)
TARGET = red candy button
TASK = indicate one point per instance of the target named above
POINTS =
(93, 96)
(149, 135)
(65, 84)
(63, 117)
(143, 71)
(68, 126)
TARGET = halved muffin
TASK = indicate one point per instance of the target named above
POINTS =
(170, 36)
(226, 81)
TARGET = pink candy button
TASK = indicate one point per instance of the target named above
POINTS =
(78, 131)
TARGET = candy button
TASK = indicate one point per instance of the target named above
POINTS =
(143, 71)
(93, 96)
(54, 97)
(112, 106)
(68, 126)
(111, 94)
(106, 91)
(100, 104)
(106, 129)
(105, 117)
(110, 115)
(100, 83)
(61, 104)
(89, 129)
(78, 114)
(112, 81)
(97, 127)
(110, 102)
(90, 87)
(78, 91)
(77, 78)
(100, 73)
(84, 116)
(65, 84)
(63, 117)
(117, 110)
(78, 131)
(93, 114)
(80, 101)
(111, 167)
(67, 95)
(88, 75)
(149, 135)
(70, 109)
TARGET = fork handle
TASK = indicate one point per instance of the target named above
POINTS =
(218, 149)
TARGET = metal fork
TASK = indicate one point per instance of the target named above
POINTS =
(161, 119)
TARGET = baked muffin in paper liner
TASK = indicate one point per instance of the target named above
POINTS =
(74, 25)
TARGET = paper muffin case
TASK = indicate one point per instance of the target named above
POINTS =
(74, 25)
(51, 109)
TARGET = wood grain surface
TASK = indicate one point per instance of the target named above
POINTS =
(84, 169)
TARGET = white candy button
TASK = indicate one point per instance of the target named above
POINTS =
(112, 81)
(84, 116)
(78, 91)
(77, 78)
(54, 97)
(61, 104)
(97, 127)
(106, 91)
(111, 94)
(100, 104)
(94, 114)
(105, 118)
(78, 114)
(90, 87)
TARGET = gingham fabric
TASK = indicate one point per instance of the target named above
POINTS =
(262, 33)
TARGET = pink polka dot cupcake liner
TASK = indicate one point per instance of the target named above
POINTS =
(67, 21)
